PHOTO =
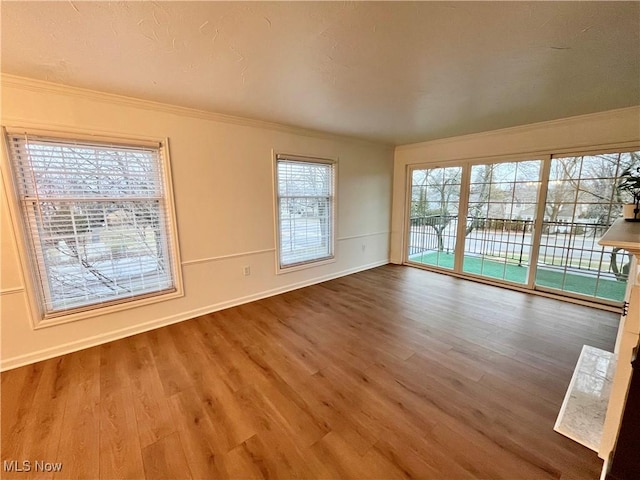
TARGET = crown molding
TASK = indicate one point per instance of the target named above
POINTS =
(633, 110)
(32, 84)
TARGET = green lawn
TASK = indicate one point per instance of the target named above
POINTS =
(585, 285)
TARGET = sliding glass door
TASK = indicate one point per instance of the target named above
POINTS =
(582, 202)
(533, 223)
(500, 219)
(435, 198)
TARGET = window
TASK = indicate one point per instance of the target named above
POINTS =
(305, 210)
(498, 236)
(533, 223)
(435, 193)
(582, 202)
(97, 221)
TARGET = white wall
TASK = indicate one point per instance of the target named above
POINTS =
(222, 177)
(615, 128)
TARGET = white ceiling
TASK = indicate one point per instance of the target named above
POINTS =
(387, 71)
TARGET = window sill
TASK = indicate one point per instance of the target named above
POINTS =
(106, 310)
(303, 266)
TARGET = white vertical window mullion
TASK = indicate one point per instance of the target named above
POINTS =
(538, 221)
(463, 209)
(407, 213)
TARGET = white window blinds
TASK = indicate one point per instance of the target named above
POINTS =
(305, 196)
(96, 219)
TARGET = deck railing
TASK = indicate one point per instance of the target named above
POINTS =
(563, 244)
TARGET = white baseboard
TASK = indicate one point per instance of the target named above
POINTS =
(47, 353)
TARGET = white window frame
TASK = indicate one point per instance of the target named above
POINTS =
(331, 258)
(25, 249)
(545, 157)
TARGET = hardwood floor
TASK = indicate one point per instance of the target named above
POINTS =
(389, 373)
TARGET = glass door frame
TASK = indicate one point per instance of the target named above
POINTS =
(564, 153)
(463, 209)
(408, 200)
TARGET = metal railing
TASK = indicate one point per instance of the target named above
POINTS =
(504, 238)
(432, 232)
(573, 244)
(563, 244)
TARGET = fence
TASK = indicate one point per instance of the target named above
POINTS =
(563, 244)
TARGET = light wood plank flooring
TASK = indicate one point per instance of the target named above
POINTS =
(389, 373)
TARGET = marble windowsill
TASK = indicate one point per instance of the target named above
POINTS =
(584, 408)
